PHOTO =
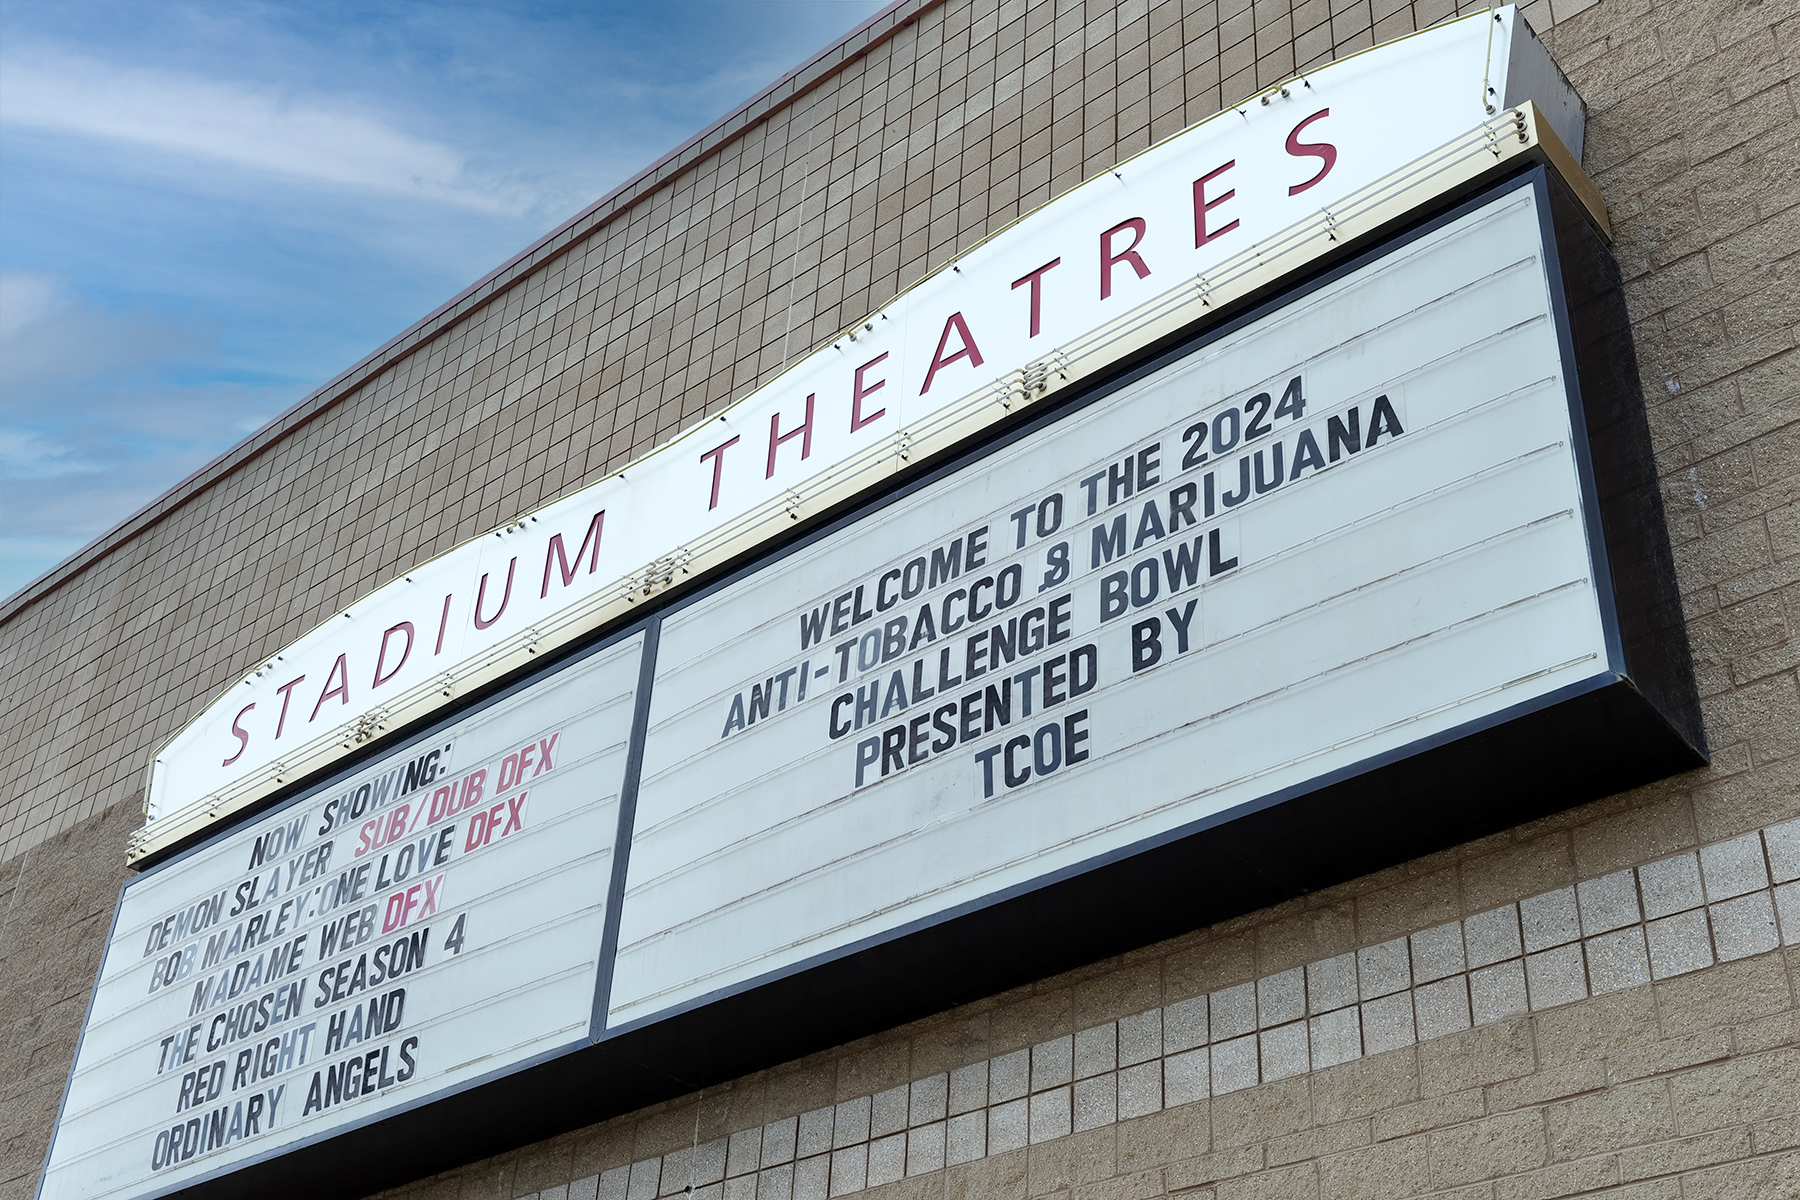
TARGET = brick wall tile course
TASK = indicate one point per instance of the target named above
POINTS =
(1561, 1179)
(1680, 1155)
(1493, 935)
(1385, 969)
(1216, 962)
(1162, 1137)
(1438, 952)
(928, 1100)
(969, 1088)
(1559, 975)
(1233, 1067)
(1007, 1126)
(1009, 1076)
(966, 1137)
(1487, 1147)
(1335, 1037)
(1442, 1008)
(1787, 899)
(1389, 1169)
(1140, 1090)
(1671, 885)
(1744, 926)
(1051, 1114)
(1734, 991)
(1095, 1101)
(1626, 1116)
(1660, 825)
(1733, 1092)
(1547, 1084)
(1281, 997)
(1516, 870)
(1436, 1113)
(1283, 1052)
(1617, 960)
(1317, 1142)
(1679, 944)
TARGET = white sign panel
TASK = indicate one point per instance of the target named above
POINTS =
(1351, 525)
(430, 920)
(1104, 250)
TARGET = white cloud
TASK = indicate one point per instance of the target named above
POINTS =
(119, 448)
(226, 204)
(26, 298)
(261, 129)
(28, 454)
(50, 338)
(87, 429)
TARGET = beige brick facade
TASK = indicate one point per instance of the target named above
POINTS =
(1602, 1002)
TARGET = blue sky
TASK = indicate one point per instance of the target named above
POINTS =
(209, 209)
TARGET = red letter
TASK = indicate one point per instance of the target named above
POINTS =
(340, 670)
(776, 437)
(556, 552)
(481, 595)
(286, 691)
(859, 393)
(1108, 259)
(242, 737)
(382, 657)
(1036, 280)
(968, 351)
(1202, 206)
(1321, 150)
(443, 624)
(717, 454)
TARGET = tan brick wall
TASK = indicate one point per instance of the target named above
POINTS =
(695, 283)
(1632, 1027)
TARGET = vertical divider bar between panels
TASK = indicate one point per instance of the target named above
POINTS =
(621, 862)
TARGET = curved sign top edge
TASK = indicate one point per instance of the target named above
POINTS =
(1073, 265)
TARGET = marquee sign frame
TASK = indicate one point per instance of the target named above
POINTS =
(949, 358)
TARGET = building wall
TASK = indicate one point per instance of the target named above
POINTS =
(1654, 1045)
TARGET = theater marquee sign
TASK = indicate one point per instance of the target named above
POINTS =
(1324, 581)
(1187, 225)
(1354, 527)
